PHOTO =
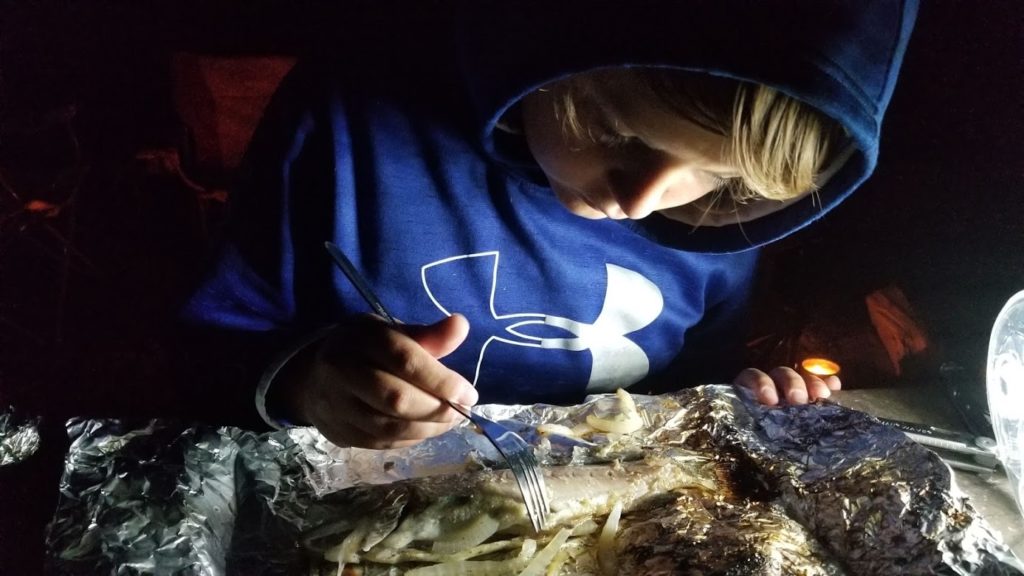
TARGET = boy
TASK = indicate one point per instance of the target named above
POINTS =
(574, 215)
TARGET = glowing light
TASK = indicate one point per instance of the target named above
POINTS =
(820, 366)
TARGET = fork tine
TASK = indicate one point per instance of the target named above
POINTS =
(533, 506)
(526, 488)
(537, 484)
(539, 516)
(545, 504)
(523, 480)
(521, 460)
(533, 470)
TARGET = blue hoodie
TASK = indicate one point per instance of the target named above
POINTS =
(393, 154)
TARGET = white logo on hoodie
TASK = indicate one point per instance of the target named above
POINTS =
(631, 302)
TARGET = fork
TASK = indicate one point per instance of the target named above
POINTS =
(516, 452)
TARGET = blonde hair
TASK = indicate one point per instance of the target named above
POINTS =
(778, 144)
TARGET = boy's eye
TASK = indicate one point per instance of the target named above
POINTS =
(609, 137)
(614, 139)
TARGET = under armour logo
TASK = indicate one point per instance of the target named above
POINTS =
(630, 303)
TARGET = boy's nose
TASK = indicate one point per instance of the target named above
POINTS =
(638, 192)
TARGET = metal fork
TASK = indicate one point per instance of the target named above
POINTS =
(521, 461)
(516, 452)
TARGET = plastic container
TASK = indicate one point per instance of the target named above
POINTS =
(1005, 376)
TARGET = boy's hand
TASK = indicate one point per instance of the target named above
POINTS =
(373, 385)
(787, 385)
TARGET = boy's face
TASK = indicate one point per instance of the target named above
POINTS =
(632, 156)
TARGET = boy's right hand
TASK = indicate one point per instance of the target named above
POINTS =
(373, 385)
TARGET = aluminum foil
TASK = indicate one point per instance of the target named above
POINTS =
(169, 499)
(19, 437)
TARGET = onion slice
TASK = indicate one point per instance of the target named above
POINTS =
(475, 532)
(625, 420)
(607, 557)
(466, 568)
(538, 566)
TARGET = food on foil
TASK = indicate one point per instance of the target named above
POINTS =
(19, 437)
(677, 485)
(709, 483)
(476, 522)
(673, 513)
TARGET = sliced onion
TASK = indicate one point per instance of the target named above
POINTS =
(383, 555)
(626, 403)
(559, 560)
(607, 557)
(624, 420)
(472, 533)
(347, 551)
(467, 568)
(527, 551)
(549, 428)
(585, 528)
(583, 430)
(538, 566)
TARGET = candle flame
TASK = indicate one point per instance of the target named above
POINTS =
(820, 366)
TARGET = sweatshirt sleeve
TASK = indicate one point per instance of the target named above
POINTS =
(244, 311)
(249, 284)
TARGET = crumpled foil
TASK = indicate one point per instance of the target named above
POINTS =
(168, 499)
(19, 437)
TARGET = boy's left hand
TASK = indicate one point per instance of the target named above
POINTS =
(787, 385)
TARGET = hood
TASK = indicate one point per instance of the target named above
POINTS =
(840, 57)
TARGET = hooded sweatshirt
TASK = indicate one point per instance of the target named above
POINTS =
(390, 149)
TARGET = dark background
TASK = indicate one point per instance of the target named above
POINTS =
(89, 280)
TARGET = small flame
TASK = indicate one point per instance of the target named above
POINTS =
(820, 366)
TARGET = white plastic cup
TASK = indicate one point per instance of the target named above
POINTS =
(1005, 376)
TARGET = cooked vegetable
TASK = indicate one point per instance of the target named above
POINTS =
(475, 523)
(623, 419)
(606, 555)
(538, 565)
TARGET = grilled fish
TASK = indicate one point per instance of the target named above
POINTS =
(676, 509)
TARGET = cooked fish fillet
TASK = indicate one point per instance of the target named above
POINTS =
(679, 512)
(402, 521)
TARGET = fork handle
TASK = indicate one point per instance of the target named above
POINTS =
(460, 409)
(357, 280)
(371, 298)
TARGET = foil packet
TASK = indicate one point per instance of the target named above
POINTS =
(19, 437)
(166, 498)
